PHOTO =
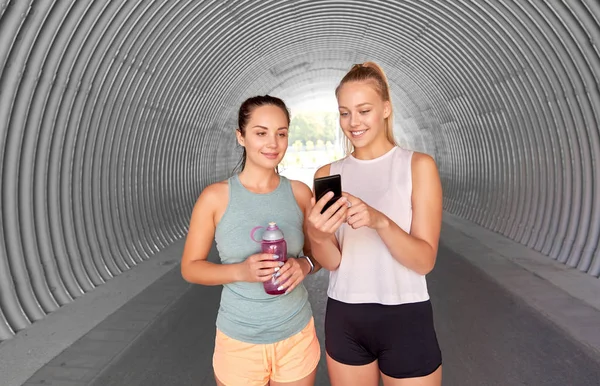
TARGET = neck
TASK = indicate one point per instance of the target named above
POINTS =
(259, 180)
(373, 150)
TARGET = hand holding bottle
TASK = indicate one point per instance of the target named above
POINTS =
(274, 244)
(259, 267)
(290, 275)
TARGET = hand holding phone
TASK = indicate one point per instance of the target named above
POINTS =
(332, 183)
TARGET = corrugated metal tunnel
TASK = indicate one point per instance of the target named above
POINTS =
(114, 115)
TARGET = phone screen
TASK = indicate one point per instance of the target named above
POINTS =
(326, 184)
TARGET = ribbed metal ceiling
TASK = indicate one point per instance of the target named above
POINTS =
(115, 114)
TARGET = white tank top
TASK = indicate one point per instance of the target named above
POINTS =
(368, 273)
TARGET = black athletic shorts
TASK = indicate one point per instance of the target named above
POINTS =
(401, 337)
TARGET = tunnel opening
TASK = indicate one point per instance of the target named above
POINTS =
(314, 136)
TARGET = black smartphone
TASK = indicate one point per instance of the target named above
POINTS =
(326, 184)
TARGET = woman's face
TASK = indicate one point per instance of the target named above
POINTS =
(362, 113)
(265, 137)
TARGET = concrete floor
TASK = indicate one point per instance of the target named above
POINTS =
(492, 327)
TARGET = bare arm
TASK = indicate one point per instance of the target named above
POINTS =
(303, 196)
(194, 266)
(417, 250)
(321, 227)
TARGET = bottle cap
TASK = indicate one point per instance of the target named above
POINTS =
(272, 233)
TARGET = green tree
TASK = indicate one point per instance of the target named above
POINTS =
(330, 122)
(302, 128)
(313, 127)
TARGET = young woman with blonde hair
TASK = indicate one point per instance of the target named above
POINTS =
(379, 241)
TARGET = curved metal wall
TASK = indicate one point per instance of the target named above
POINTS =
(114, 115)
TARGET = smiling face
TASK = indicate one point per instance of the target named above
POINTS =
(265, 136)
(362, 113)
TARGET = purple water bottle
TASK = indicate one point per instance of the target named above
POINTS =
(273, 242)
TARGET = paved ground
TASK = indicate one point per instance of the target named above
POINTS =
(505, 315)
(488, 336)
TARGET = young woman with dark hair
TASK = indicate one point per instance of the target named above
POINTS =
(260, 338)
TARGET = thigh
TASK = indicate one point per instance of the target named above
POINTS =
(295, 359)
(341, 374)
(308, 380)
(408, 345)
(347, 339)
(433, 379)
(239, 363)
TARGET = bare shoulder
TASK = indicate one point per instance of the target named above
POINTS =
(423, 165)
(302, 193)
(425, 176)
(213, 200)
(215, 192)
(323, 171)
(300, 189)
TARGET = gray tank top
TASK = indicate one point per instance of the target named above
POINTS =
(247, 313)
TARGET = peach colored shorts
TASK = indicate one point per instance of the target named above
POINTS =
(238, 363)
